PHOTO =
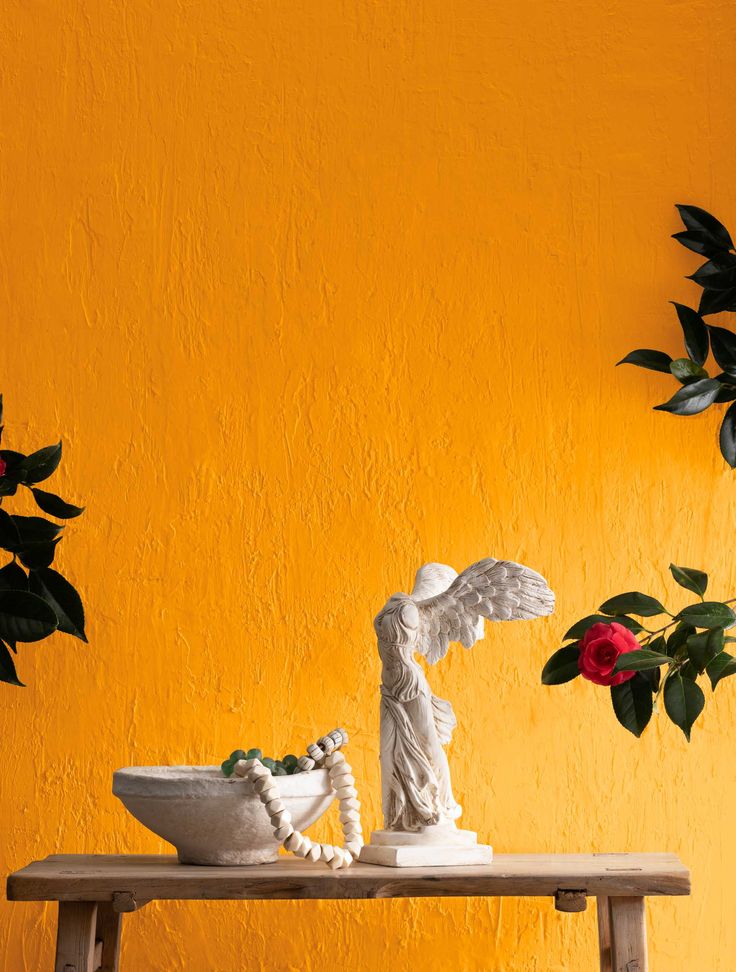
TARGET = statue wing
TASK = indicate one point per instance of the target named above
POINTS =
(494, 589)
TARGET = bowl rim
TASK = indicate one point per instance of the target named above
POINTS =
(182, 781)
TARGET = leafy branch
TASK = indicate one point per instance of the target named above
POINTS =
(35, 599)
(642, 665)
(705, 235)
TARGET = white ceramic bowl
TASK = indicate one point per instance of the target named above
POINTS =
(211, 819)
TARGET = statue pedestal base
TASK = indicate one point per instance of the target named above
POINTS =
(442, 844)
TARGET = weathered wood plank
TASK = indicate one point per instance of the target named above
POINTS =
(109, 928)
(604, 933)
(75, 937)
(149, 877)
(628, 935)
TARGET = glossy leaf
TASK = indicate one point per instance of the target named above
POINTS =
(695, 332)
(721, 667)
(62, 597)
(683, 702)
(709, 614)
(710, 276)
(562, 666)
(35, 529)
(632, 703)
(7, 667)
(35, 556)
(55, 506)
(25, 617)
(646, 358)
(13, 578)
(9, 535)
(639, 661)
(13, 464)
(728, 388)
(633, 602)
(699, 220)
(692, 399)
(715, 301)
(679, 636)
(691, 579)
(703, 647)
(723, 345)
(580, 627)
(697, 241)
(727, 436)
(41, 464)
(686, 371)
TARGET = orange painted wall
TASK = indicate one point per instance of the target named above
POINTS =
(315, 292)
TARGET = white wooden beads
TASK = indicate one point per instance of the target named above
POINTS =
(326, 751)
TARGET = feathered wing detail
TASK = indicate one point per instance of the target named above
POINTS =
(494, 589)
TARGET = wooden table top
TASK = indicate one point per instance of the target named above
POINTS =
(97, 877)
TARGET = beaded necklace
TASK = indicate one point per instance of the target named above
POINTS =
(326, 751)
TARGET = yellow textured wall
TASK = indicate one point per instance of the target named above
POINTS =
(315, 292)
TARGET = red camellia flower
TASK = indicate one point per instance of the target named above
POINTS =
(3, 467)
(599, 651)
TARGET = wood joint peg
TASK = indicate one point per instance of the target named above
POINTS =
(124, 901)
(570, 901)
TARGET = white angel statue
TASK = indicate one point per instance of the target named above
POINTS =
(415, 724)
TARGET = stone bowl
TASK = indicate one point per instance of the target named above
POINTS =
(212, 819)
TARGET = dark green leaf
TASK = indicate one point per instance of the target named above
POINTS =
(562, 666)
(632, 703)
(714, 301)
(40, 465)
(34, 529)
(709, 614)
(727, 436)
(692, 398)
(639, 661)
(691, 579)
(683, 702)
(721, 667)
(9, 536)
(35, 556)
(580, 627)
(7, 667)
(62, 597)
(698, 242)
(700, 220)
(703, 647)
(686, 371)
(55, 506)
(679, 636)
(25, 617)
(13, 464)
(714, 279)
(695, 332)
(13, 578)
(728, 388)
(646, 358)
(723, 345)
(633, 602)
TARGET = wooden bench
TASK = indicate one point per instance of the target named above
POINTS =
(95, 890)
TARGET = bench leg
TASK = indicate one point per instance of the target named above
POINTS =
(604, 933)
(75, 936)
(109, 927)
(628, 935)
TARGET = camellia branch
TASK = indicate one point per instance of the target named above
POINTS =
(703, 234)
(35, 599)
(613, 648)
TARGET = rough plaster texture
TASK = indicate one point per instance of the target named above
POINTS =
(315, 292)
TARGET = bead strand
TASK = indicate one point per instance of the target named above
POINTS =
(326, 752)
